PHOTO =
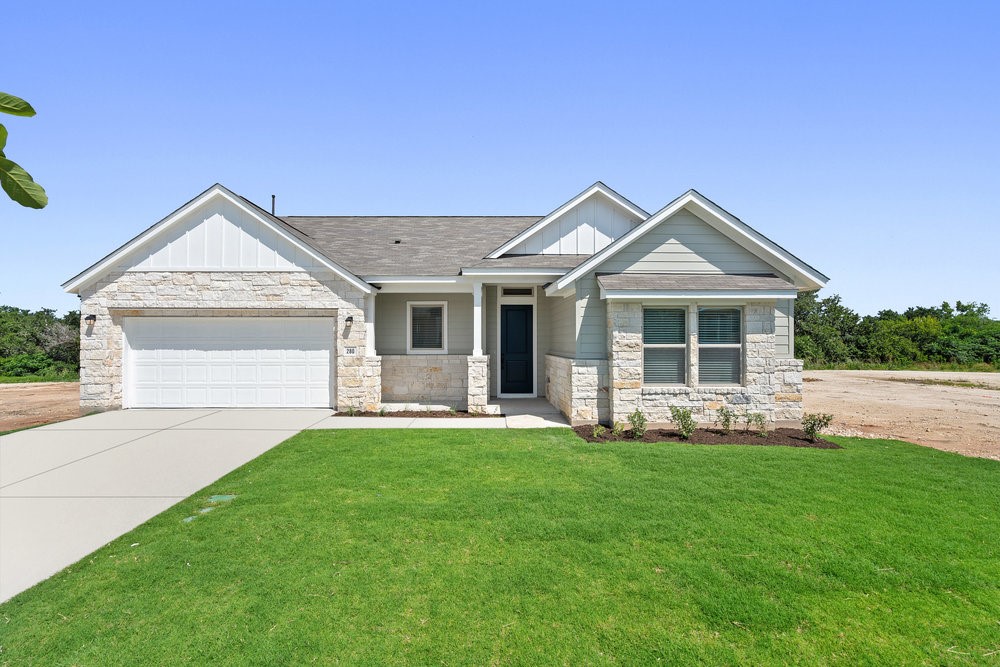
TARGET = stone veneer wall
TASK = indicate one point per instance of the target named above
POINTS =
(771, 386)
(578, 387)
(426, 378)
(221, 294)
(479, 385)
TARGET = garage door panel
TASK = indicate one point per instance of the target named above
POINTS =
(229, 362)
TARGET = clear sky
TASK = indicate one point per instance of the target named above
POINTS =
(863, 137)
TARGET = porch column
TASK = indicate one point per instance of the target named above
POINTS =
(477, 319)
(370, 325)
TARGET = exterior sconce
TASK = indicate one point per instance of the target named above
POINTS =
(90, 320)
(349, 320)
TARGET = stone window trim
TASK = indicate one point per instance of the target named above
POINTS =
(444, 327)
(692, 346)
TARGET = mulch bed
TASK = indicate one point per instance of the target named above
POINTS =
(781, 437)
(417, 413)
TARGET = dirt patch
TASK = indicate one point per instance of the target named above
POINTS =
(36, 403)
(955, 412)
(781, 437)
(418, 413)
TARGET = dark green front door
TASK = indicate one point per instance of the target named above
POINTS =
(516, 355)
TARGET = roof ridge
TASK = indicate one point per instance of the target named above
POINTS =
(411, 216)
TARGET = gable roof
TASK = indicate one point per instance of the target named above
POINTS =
(806, 277)
(428, 245)
(596, 188)
(283, 229)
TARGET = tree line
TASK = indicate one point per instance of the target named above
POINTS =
(41, 345)
(829, 334)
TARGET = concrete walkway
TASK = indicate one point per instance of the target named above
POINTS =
(68, 488)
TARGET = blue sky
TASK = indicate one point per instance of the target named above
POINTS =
(863, 137)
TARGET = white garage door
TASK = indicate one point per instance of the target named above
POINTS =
(181, 362)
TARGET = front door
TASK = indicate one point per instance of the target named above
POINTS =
(516, 350)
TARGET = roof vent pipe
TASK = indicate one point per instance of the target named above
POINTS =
(272, 204)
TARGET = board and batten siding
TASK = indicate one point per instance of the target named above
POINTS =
(390, 321)
(218, 236)
(583, 230)
(683, 243)
(784, 328)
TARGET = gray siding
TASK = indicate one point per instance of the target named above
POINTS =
(390, 321)
(784, 315)
(490, 335)
(685, 243)
(562, 325)
(592, 319)
(544, 315)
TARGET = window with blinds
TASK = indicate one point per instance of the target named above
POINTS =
(664, 349)
(720, 346)
(427, 327)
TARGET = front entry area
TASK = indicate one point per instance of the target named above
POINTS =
(517, 364)
(228, 362)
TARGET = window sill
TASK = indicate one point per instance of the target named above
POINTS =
(443, 351)
(677, 390)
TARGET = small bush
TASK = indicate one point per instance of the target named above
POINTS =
(598, 432)
(638, 422)
(382, 411)
(351, 411)
(758, 421)
(617, 430)
(684, 420)
(725, 417)
(813, 423)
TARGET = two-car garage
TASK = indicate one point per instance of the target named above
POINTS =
(229, 362)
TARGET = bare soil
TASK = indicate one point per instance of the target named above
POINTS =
(912, 405)
(781, 437)
(37, 403)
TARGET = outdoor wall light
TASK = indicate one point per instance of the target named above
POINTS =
(90, 319)
(349, 319)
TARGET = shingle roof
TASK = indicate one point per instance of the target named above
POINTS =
(565, 262)
(428, 245)
(692, 281)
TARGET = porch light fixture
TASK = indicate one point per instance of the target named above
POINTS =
(349, 319)
(90, 319)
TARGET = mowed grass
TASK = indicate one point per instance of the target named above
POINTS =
(534, 547)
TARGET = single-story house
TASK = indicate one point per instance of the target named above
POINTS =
(599, 306)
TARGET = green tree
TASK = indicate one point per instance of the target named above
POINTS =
(14, 180)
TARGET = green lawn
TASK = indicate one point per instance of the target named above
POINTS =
(533, 547)
(25, 379)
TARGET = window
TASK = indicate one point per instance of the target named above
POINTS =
(518, 291)
(427, 324)
(664, 351)
(720, 348)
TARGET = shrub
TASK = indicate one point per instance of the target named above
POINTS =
(617, 430)
(599, 432)
(351, 411)
(638, 422)
(25, 364)
(382, 411)
(813, 423)
(725, 417)
(684, 420)
(758, 421)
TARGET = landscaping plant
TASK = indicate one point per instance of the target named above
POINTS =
(758, 421)
(638, 422)
(617, 430)
(685, 422)
(814, 422)
(599, 431)
(725, 417)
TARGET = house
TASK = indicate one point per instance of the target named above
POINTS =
(598, 306)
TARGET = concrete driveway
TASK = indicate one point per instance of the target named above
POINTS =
(68, 488)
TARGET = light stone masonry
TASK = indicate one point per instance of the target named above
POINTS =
(218, 294)
(578, 387)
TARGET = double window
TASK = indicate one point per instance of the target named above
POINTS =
(665, 346)
(427, 327)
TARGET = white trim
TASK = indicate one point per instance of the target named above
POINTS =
(498, 271)
(216, 191)
(444, 327)
(763, 295)
(477, 319)
(724, 221)
(370, 325)
(524, 301)
(420, 280)
(597, 187)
